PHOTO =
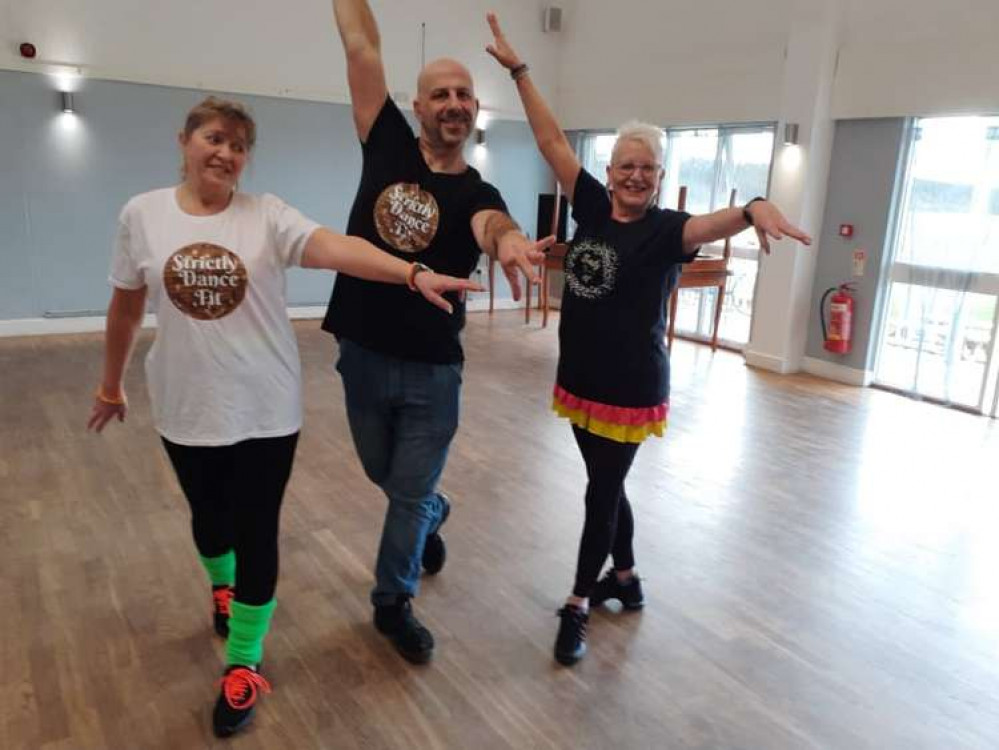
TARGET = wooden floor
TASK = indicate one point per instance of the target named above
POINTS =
(821, 564)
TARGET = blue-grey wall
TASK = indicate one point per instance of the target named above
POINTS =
(63, 179)
(863, 178)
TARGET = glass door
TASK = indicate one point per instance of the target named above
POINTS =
(939, 334)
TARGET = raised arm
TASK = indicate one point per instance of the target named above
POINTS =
(365, 70)
(552, 143)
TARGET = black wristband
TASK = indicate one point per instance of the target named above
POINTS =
(518, 70)
(745, 210)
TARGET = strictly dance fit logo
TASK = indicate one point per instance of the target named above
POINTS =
(205, 281)
(406, 217)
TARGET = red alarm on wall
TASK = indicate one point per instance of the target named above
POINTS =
(846, 230)
(27, 50)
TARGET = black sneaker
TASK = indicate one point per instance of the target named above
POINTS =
(609, 587)
(222, 608)
(434, 550)
(411, 639)
(570, 643)
(234, 708)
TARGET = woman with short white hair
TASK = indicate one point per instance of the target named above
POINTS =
(613, 371)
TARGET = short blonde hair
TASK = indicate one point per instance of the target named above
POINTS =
(648, 135)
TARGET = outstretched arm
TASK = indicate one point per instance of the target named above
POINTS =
(365, 69)
(357, 257)
(499, 237)
(552, 143)
(767, 220)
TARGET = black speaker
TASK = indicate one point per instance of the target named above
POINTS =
(546, 205)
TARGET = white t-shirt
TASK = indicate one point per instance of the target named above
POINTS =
(224, 366)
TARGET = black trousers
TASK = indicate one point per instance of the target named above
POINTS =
(610, 525)
(235, 493)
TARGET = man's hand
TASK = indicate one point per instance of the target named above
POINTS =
(516, 253)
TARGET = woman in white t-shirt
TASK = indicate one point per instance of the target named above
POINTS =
(223, 372)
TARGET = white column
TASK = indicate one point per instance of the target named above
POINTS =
(798, 187)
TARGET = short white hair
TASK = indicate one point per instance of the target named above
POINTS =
(648, 135)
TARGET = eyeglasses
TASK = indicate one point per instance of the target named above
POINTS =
(646, 170)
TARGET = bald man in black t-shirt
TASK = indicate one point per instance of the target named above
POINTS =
(401, 366)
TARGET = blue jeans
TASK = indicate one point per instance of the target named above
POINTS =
(403, 416)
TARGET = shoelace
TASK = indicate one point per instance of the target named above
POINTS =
(223, 600)
(579, 618)
(240, 687)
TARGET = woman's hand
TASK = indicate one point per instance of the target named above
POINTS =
(501, 48)
(432, 286)
(107, 408)
(769, 223)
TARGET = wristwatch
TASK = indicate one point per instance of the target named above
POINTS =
(414, 269)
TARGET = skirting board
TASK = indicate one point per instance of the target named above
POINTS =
(840, 373)
(478, 304)
(768, 362)
(50, 326)
(94, 323)
(481, 304)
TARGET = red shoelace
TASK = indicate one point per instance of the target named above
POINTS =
(223, 600)
(241, 685)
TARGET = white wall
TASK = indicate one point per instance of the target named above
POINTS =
(918, 57)
(286, 48)
(674, 62)
(667, 61)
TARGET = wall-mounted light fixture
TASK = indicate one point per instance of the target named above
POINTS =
(67, 102)
(480, 137)
(790, 134)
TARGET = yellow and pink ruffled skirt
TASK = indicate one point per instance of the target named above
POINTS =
(619, 423)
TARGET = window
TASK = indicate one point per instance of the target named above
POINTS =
(938, 337)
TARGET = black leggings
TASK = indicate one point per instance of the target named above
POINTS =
(235, 493)
(609, 526)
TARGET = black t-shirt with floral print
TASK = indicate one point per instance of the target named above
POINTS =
(618, 279)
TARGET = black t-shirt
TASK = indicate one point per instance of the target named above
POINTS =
(415, 214)
(618, 278)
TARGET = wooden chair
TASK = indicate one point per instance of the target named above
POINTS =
(710, 271)
(554, 261)
(492, 283)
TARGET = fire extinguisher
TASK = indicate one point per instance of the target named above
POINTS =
(838, 332)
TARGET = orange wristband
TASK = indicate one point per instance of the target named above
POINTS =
(110, 401)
